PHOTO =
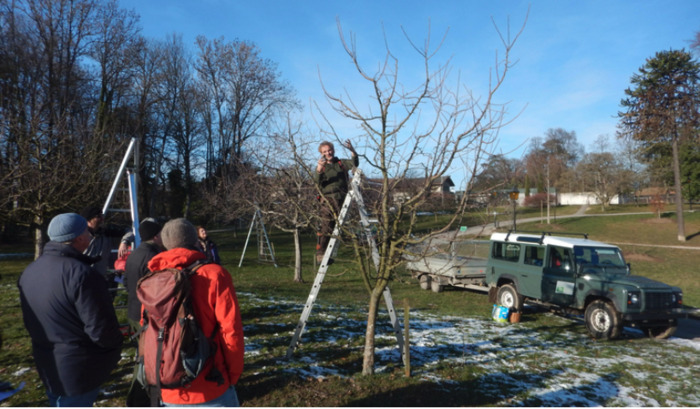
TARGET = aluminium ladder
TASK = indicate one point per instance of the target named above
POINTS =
(353, 195)
(265, 251)
(132, 191)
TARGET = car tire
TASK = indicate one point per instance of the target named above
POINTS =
(435, 286)
(424, 281)
(602, 321)
(508, 297)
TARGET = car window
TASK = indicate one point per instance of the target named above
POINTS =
(560, 258)
(506, 251)
(534, 255)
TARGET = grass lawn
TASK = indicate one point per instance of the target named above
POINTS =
(459, 356)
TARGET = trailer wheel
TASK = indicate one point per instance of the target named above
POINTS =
(662, 332)
(508, 297)
(435, 286)
(602, 320)
(424, 281)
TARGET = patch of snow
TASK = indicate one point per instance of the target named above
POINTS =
(536, 367)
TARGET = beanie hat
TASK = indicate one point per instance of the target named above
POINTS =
(178, 233)
(66, 227)
(148, 229)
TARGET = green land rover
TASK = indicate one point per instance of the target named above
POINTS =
(580, 276)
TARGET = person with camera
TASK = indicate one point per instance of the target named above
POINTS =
(332, 179)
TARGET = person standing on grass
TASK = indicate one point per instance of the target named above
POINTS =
(100, 247)
(216, 308)
(137, 267)
(331, 178)
(207, 246)
(68, 312)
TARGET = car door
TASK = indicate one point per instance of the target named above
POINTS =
(559, 276)
(530, 271)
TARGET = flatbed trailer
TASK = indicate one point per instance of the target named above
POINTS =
(462, 265)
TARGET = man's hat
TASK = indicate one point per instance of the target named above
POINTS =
(178, 233)
(91, 212)
(148, 229)
(66, 227)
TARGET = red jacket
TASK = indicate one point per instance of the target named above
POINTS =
(215, 303)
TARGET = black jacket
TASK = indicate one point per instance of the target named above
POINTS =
(137, 267)
(68, 312)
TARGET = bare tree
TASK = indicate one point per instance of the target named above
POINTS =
(181, 110)
(558, 151)
(429, 125)
(604, 175)
(282, 188)
(244, 91)
(53, 161)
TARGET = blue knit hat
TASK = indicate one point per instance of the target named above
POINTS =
(66, 227)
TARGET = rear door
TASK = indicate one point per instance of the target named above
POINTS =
(559, 276)
(530, 271)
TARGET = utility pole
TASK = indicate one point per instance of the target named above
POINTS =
(547, 192)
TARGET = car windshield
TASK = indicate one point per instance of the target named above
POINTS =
(599, 257)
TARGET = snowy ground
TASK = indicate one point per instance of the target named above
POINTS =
(520, 364)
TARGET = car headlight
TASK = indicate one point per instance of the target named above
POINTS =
(677, 298)
(634, 298)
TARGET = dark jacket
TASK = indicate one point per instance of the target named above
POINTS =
(137, 267)
(333, 180)
(68, 312)
(100, 248)
(209, 249)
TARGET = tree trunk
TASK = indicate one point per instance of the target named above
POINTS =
(679, 194)
(38, 242)
(297, 257)
(368, 358)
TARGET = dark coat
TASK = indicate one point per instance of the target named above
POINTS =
(137, 267)
(333, 180)
(209, 248)
(68, 312)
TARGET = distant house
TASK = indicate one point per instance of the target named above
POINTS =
(648, 194)
(409, 187)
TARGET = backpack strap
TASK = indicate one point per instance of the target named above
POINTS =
(155, 390)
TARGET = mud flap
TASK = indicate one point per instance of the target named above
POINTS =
(493, 291)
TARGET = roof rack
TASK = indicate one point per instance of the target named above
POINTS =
(543, 234)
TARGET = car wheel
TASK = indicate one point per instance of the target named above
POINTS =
(662, 332)
(602, 320)
(508, 297)
(435, 286)
(424, 281)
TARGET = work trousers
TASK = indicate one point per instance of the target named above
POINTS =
(329, 210)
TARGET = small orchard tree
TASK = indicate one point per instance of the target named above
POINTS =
(282, 189)
(422, 127)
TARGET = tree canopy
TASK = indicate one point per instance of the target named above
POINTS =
(661, 112)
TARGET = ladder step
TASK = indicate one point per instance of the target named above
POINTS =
(119, 210)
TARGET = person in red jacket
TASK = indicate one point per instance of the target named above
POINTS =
(216, 308)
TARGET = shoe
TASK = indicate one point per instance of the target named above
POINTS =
(319, 260)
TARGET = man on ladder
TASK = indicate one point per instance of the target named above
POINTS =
(354, 195)
(331, 178)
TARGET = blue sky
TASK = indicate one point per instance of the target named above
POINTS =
(575, 58)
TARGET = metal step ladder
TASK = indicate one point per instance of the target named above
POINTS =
(131, 191)
(353, 195)
(265, 251)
